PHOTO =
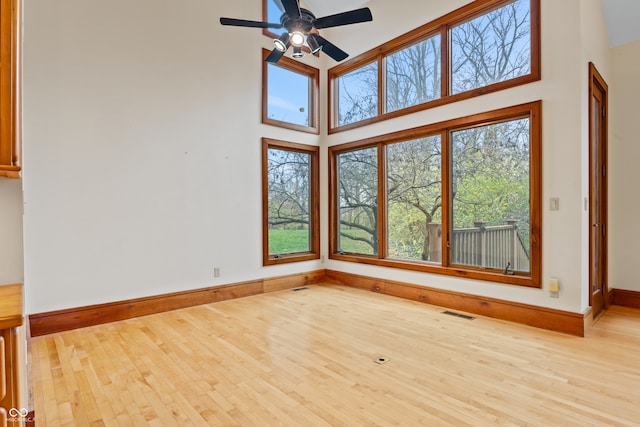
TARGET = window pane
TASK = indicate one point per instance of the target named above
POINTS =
(358, 201)
(289, 175)
(358, 94)
(491, 196)
(491, 48)
(413, 75)
(414, 198)
(274, 12)
(288, 99)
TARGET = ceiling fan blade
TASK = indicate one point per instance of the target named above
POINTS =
(344, 18)
(247, 23)
(274, 56)
(291, 8)
(330, 49)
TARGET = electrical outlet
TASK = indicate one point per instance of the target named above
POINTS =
(216, 271)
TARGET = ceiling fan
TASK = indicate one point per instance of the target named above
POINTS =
(302, 28)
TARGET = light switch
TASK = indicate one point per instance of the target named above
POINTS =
(554, 204)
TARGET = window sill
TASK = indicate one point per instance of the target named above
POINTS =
(284, 259)
(517, 279)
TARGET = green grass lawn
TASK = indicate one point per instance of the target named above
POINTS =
(288, 241)
(292, 241)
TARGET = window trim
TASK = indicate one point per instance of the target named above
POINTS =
(10, 88)
(314, 203)
(314, 89)
(533, 110)
(442, 26)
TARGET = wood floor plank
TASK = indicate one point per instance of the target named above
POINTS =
(306, 358)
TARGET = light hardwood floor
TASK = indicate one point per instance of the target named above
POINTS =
(306, 358)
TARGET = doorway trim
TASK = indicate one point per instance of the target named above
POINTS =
(598, 84)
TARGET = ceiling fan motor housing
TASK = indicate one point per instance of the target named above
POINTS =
(302, 23)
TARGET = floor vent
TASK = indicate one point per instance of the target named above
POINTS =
(304, 288)
(381, 360)
(462, 316)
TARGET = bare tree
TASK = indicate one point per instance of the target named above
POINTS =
(358, 95)
(414, 195)
(358, 200)
(288, 184)
(491, 48)
(413, 75)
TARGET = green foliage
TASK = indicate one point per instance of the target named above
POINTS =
(407, 232)
(491, 176)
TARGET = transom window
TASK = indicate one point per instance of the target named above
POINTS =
(460, 197)
(357, 94)
(290, 202)
(413, 75)
(290, 95)
(485, 46)
(491, 48)
(271, 12)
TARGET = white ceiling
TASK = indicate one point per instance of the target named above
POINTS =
(329, 7)
(622, 17)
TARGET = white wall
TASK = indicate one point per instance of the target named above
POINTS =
(624, 173)
(561, 90)
(11, 260)
(141, 149)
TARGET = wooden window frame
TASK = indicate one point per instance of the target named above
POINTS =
(440, 26)
(314, 88)
(314, 203)
(10, 88)
(531, 110)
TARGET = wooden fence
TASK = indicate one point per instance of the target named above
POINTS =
(482, 246)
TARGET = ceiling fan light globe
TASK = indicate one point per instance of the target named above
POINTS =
(297, 38)
(282, 43)
(297, 52)
(313, 44)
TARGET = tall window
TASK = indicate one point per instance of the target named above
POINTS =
(460, 197)
(290, 202)
(490, 185)
(414, 197)
(485, 46)
(358, 201)
(290, 95)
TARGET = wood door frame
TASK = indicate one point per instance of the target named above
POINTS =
(597, 82)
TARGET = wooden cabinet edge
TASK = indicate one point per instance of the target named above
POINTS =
(10, 171)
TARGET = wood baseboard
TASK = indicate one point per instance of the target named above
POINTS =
(80, 317)
(625, 298)
(540, 317)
